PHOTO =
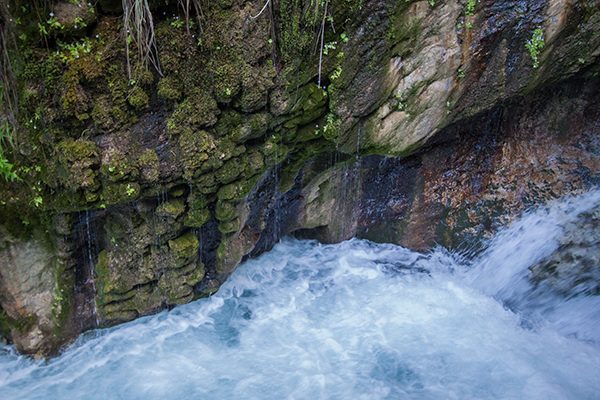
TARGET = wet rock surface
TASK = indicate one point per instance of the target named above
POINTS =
(573, 269)
(143, 191)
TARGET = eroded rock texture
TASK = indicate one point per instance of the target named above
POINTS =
(147, 177)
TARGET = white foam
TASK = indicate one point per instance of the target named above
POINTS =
(354, 320)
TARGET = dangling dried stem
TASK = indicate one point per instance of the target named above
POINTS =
(261, 11)
(9, 98)
(139, 29)
(322, 39)
(185, 6)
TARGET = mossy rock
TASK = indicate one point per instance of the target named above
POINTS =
(231, 170)
(229, 226)
(183, 250)
(117, 193)
(138, 98)
(249, 127)
(225, 210)
(169, 88)
(196, 218)
(149, 166)
(255, 163)
(206, 179)
(76, 162)
(197, 110)
(311, 131)
(237, 190)
(178, 191)
(197, 201)
(172, 208)
(119, 168)
(274, 153)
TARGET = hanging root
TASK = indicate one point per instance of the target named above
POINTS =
(261, 11)
(185, 6)
(9, 100)
(322, 38)
(139, 30)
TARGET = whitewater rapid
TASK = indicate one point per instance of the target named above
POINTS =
(354, 320)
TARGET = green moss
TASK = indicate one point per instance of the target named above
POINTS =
(178, 191)
(22, 325)
(104, 275)
(241, 128)
(149, 166)
(237, 190)
(231, 170)
(197, 110)
(255, 163)
(138, 98)
(195, 218)
(229, 226)
(119, 168)
(75, 163)
(172, 208)
(64, 298)
(117, 193)
(194, 146)
(225, 210)
(183, 249)
(405, 33)
(169, 88)
(274, 153)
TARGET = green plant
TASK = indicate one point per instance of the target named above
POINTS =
(328, 46)
(7, 133)
(54, 24)
(336, 74)
(535, 45)
(6, 170)
(38, 201)
(79, 22)
(177, 23)
(471, 7)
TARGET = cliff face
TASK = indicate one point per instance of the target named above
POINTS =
(154, 157)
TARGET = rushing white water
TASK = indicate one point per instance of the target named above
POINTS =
(355, 320)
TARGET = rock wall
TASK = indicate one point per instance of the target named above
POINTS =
(153, 158)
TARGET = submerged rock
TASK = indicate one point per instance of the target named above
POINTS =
(573, 269)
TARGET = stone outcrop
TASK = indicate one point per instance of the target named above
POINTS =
(412, 122)
(573, 269)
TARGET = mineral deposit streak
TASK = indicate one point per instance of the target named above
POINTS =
(350, 321)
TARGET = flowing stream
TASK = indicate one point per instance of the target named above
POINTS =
(354, 320)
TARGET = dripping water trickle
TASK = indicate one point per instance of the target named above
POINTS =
(91, 280)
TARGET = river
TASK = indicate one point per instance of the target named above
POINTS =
(354, 320)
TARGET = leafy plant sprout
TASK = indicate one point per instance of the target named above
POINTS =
(535, 45)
